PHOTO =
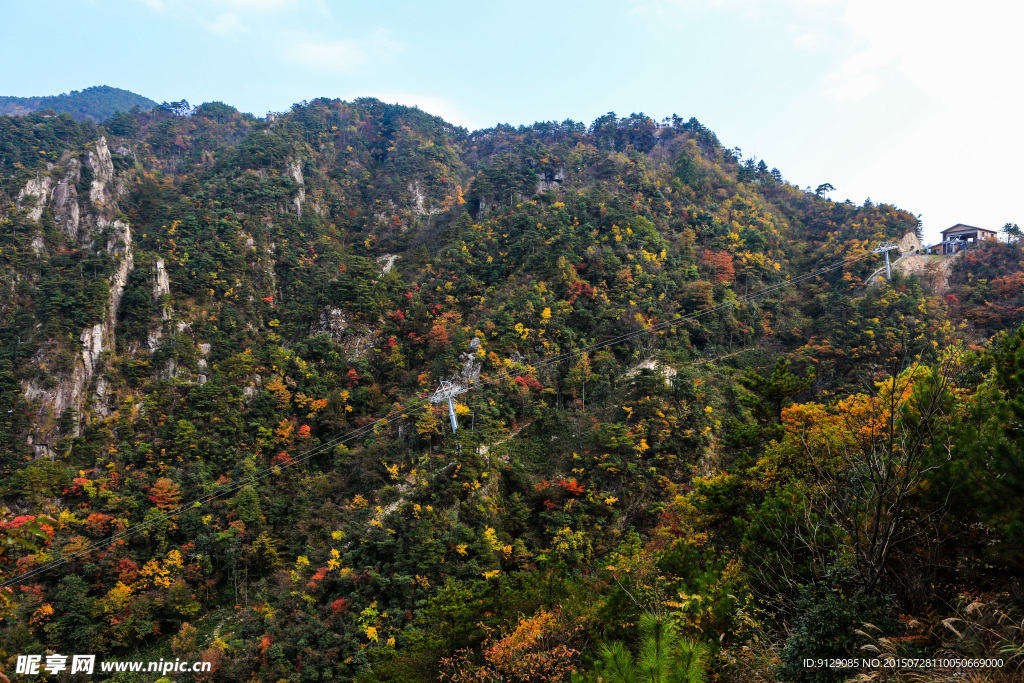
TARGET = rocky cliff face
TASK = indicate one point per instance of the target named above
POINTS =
(161, 289)
(910, 242)
(295, 171)
(82, 391)
(58, 190)
(100, 193)
(35, 194)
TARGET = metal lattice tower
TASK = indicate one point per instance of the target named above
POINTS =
(446, 392)
(885, 248)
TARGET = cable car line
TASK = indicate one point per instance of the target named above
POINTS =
(391, 417)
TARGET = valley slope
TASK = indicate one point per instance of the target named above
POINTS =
(199, 304)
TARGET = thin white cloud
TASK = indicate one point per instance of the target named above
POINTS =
(926, 96)
(852, 88)
(938, 82)
(438, 106)
(949, 50)
(259, 4)
(859, 74)
(807, 41)
(208, 7)
(341, 55)
(747, 9)
(323, 8)
(333, 55)
(227, 24)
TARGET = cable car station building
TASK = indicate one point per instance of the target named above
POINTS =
(960, 237)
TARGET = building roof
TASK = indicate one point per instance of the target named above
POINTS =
(960, 227)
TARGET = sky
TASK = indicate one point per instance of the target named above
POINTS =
(914, 103)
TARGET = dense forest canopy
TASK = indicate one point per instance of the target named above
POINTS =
(696, 435)
(97, 103)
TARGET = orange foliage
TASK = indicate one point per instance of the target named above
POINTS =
(127, 570)
(165, 494)
(283, 433)
(277, 387)
(1009, 286)
(537, 649)
(528, 382)
(857, 422)
(41, 615)
(572, 487)
(313, 405)
(440, 334)
(97, 523)
(720, 265)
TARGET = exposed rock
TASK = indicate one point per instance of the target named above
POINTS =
(92, 347)
(906, 260)
(161, 287)
(387, 262)
(103, 174)
(153, 338)
(331, 321)
(933, 270)
(39, 189)
(119, 246)
(354, 341)
(65, 200)
(69, 393)
(60, 193)
(52, 402)
(59, 188)
(161, 283)
(295, 171)
(468, 374)
(37, 244)
(471, 365)
(355, 345)
(654, 365)
(910, 242)
(418, 199)
(100, 407)
(551, 180)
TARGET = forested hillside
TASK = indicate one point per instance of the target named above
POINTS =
(691, 434)
(97, 103)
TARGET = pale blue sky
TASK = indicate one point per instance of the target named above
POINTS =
(909, 102)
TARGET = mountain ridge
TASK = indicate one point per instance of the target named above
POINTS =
(194, 301)
(95, 103)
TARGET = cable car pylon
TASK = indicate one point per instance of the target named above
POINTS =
(885, 248)
(445, 393)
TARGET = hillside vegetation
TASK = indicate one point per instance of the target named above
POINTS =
(97, 103)
(669, 457)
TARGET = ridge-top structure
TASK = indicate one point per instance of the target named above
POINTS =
(960, 237)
